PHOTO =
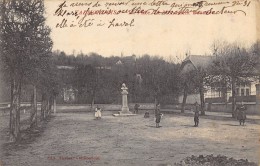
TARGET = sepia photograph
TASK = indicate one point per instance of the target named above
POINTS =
(129, 83)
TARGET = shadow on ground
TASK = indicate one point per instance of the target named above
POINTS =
(28, 136)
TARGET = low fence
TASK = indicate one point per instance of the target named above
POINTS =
(23, 104)
(252, 108)
(87, 107)
(251, 98)
(105, 107)
(178, 106)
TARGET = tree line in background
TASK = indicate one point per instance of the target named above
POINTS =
(98, 79)
(30, 68)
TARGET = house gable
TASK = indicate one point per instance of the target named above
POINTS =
(193, 62)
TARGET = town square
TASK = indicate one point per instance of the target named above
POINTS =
(139, 82)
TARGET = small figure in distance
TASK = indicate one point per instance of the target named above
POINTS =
(196, 114)
(146, 114)
(241, 114)
(158, 119)
(136, 108)
(158, 115)
(98, 113)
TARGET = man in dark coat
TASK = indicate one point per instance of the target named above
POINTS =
(158, 115)
(196, 115)
(136, 108)
(241, 116)
(158, 119)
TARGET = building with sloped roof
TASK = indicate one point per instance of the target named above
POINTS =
(193, 62)
(214, 93)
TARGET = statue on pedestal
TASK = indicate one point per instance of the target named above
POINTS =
(125, 108)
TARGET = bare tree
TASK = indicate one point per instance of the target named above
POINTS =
(234, 62)
(188, 85)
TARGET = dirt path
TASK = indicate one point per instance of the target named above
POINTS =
(77, 139)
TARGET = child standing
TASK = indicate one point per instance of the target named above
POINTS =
(136, 107)
(196, 118)
(241, 114)
(196, 115)
(98, 113)
(158, 119)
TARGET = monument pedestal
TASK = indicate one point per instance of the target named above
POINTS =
(124, 115)
(125, 109)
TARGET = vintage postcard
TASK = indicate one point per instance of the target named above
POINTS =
(129, 82)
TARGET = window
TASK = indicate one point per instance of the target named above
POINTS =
(242, 92)
(237, 91)
(247, 92)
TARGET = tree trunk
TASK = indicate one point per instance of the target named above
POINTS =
(11, 106)
(50, 103)
(185, 95)
(47, 107)
(92, 103)
(43, 106)
(93, 98)
(202, 100)
(33, 118)
(15, 111)
(233, 84)
(134, 92)
(54, 105)
(224, 94)
(155, 103)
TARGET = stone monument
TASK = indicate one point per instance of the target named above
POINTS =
(125, 108)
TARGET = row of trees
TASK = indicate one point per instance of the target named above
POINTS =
(26, 58)
(152, 79)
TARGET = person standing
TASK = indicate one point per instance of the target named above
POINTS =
(158, 119)
(98, 113)
(241, 114)
(136, 108)
(196, 114)
(158, 115)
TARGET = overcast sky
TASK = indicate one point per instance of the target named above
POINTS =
(166, 36)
